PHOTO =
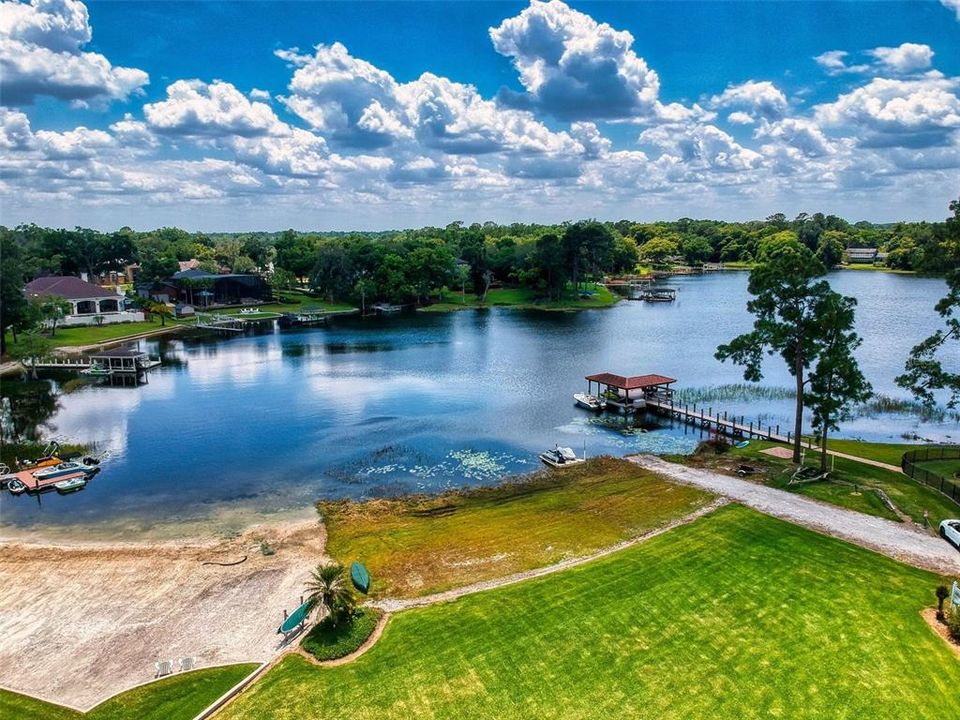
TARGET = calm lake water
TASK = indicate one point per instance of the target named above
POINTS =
(270, 421)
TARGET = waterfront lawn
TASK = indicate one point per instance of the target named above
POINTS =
(889, 453)
(425, 544)
(525, 298)
(856, 479)
(94, 335)
(180, 697)
(737, 615)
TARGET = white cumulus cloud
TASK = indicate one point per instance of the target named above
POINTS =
(41, 54)
(761, 98)
(573, 67)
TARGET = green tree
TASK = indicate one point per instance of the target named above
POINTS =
(51, 310)
(831, 247)
(29, 349)
(161, 310)
(658, 250)
(836, 383)
(924, 372)
(328, 591)
(787, 295)
(552, 265)
(696, 250)
(15, 311)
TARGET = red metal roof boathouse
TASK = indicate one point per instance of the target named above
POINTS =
(630, 393)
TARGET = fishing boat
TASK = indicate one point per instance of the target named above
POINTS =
(65, 468)
(16, 487)
(561, 457)
(71, 484)
(360, 577)
(590, 402)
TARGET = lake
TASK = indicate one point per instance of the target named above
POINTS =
(233, 430)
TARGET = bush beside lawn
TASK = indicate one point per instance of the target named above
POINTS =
(737, 615)
(329, 642)
(180, 697)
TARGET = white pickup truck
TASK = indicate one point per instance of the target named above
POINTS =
(950, 531)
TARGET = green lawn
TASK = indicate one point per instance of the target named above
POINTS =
(93, 335)
(910, 496)
(180, 697)
(425, 544)
(889, 453)
(525, 298)
(737, 615)
(943, 468)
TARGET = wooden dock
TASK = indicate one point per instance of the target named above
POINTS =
(35, 485)
(707, 419)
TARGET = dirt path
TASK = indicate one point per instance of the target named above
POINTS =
(903, 542)
(395, 605)
(81, 622)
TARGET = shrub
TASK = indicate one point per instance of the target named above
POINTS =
(327, 641)
(953, 622)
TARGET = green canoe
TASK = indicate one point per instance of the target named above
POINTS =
(360, 577)
(295, 618)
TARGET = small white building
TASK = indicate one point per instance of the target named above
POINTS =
(89, 301)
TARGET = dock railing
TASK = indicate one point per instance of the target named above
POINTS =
(948, 486)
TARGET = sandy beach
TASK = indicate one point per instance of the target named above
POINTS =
(81, 621)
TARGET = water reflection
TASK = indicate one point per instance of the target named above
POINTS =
(273, 420)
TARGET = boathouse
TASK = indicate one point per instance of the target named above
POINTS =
(630, 393)
(123, 360)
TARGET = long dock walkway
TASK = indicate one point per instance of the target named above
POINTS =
(705, 418)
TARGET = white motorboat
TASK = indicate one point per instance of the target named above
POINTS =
(71, 484)
(561, 457)
(590, 402)
(16, 487)
(64, 468)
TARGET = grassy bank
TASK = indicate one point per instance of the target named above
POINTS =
(94, 335)
(420, 545)
(525, 298)
(180, 697)
(737, 615)
(855, 481)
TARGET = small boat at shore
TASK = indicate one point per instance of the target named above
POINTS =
(16, 487)
(561, 457)
(590, 402)
(360, 577)
(71, 484)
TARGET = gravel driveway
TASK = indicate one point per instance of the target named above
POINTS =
(903, 542)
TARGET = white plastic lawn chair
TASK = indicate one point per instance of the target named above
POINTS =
(164, 667)
(186, 663)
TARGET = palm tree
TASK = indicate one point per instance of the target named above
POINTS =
(328, 590)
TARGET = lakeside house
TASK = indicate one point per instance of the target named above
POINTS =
(862, 255)
(91, 304)
(198, 288)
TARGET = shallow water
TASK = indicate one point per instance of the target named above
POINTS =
(275, 420)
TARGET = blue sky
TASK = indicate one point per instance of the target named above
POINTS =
(233, 116)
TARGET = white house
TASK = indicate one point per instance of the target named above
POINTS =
(88, 301)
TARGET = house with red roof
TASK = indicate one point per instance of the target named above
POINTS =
(91, 303)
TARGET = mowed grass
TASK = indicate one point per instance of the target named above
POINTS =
(421, 545)
(526, 298)
(736, 615)
(93, 335)
(180, 697)
(944, 468)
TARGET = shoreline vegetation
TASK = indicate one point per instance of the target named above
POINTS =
(423, 544)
